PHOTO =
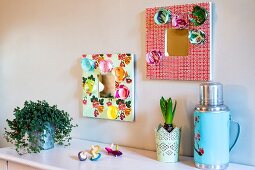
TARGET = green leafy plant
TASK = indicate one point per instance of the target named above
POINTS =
(33, 119)
(168, 108)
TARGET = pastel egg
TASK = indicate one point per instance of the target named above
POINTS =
(112, 112)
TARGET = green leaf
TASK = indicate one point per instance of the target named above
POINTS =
(175, 104)
(163, 107)
(169, 114)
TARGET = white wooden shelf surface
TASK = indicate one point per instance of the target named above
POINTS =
(132, 159)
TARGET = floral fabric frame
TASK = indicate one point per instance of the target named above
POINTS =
(119, 106)
(197, 64)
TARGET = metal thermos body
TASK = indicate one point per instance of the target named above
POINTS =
(211, 128)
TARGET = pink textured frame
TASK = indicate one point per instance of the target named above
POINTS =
(195, 66)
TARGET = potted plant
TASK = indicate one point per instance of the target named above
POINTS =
(37, 126)
(167, 136)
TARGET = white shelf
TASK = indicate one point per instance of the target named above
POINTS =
(132, 159)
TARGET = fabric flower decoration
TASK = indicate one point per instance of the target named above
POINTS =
(112, 112)
(153, 57)
(87, 64)
(180, 21)
(122, 92)
(105, 66)
(120, 74)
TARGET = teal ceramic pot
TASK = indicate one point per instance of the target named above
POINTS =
(47, 135)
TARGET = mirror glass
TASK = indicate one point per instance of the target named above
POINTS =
(106, 85)
(177, 42)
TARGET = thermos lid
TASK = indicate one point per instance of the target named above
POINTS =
(211, 93)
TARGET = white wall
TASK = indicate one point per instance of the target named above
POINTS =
(41, 42)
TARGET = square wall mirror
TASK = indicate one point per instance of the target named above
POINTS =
(177, 42)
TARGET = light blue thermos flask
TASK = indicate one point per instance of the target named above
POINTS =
(212, 125)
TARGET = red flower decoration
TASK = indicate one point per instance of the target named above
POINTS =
(201, 150)
(198, 136)
(122, 64)
(121, 56)
(122, 106)
(109, 55)
(95, 104)
(128, 80)
(95, 56)
(96, 113)
(109, 103)
(84, 102)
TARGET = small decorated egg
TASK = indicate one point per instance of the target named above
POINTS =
(162, 16)
(196, 36)
(95, 157)
(198, 15)
(87, 64)
(180, 21)
(105, 66)
(120, 74)
(153, 57)
(112, 112)
(122, 92)
(82, 156)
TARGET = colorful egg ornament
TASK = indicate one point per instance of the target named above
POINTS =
(96, 157)
(180, 21)
(82, 156)
(112, 112)
(162, 16)
(89, 86)
(95, 153)
(120, 74)
(87, 64)
(115, 152)
(105, 66)
(153, 57)
(196, 37)
(198, 15)
(122, 92)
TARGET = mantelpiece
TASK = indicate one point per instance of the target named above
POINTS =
(66, 158)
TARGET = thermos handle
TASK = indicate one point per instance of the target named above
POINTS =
(237, 127)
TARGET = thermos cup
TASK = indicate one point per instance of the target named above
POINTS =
(212, 123)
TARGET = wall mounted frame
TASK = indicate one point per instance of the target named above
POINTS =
(108, 86)
(197, 64)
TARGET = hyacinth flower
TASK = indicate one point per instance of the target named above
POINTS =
(168, 108)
